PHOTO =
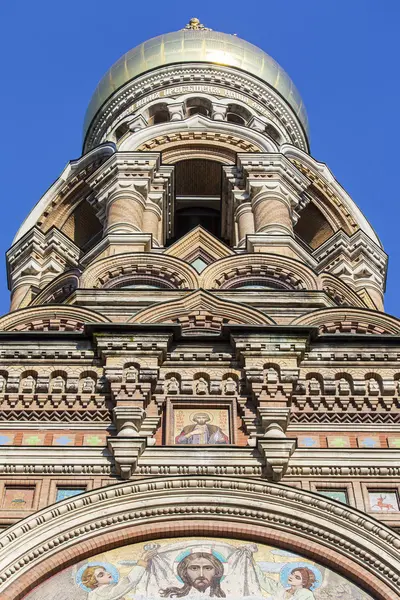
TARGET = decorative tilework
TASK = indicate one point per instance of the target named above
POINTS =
(394, 442)
(33, 439)
(309, 441)
(63, 440)
(369, 442)
(63, 493)
(18, 497)
(199, 264)
(340, 495)
(338, 441)
(384, 501)
(94, 440)
(6, 439)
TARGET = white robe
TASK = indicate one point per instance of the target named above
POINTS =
(117, 591)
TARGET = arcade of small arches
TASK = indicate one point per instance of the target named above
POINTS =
(181, 108)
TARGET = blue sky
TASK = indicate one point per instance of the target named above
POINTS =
(343, 56)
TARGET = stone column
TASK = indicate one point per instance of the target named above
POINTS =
(274, 186)
(219, 111)
(245, 220)
(175, 111)
(272, 213)
(151, 220)
(20, 296)
(124, 213)
(129, 192)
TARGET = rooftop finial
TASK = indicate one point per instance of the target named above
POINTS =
(195, 24)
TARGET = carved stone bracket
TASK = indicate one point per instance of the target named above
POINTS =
(276, 449)
(126, 452)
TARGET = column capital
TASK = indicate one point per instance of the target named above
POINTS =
(272, 175)
(219, 111)
(176, 111)
(127, 173)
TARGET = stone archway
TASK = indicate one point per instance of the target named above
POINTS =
(339, 537)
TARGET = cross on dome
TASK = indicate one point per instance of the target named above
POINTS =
(195, 24)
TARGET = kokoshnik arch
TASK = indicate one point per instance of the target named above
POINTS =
(199, 388)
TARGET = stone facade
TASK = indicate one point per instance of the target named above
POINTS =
(159, 382)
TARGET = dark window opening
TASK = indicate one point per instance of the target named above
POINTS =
(197, 110)
(190, 217)
(198, 196)
(234, 118)
(161, 117)
(121, 131)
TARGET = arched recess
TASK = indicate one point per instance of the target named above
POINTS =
(229, 272)
(337, 536)
(52, 317)
(58, 290)
(313, 227)
(350, 320)
(64, 195)
(328, 195)
(201, 312)
(340, 292)
(112, 272)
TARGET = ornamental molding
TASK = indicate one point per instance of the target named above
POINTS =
(201, 130)
(175, 80)
(111, 271)
(366, 545)
(350, 320)
(53, 417)
(38, 256)
(201, 311)
(50, 318)
(291, 273)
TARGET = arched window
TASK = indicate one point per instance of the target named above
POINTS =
(198, 106)
(234, 118)
(121, 131)
(273, 133)
(158, 113)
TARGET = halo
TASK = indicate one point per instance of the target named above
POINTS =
(289, 567)
(202, 412)
(107, 566)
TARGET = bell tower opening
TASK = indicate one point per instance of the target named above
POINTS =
(198, 196)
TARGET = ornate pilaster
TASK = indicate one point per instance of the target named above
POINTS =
(358, 261)
(132, 370)
(271, 371)
(35, 260)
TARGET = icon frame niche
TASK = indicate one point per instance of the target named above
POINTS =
(180, 413)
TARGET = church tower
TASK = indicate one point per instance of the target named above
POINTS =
(199, 387)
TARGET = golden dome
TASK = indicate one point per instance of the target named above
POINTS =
(198, 44)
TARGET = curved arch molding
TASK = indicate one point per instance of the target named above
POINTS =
(350, 320)
(338, 536)
(201, 310)
(57, 317)
(107, 272)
